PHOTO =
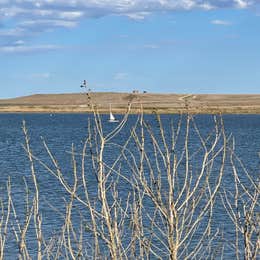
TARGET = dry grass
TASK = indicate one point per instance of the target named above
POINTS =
(161, 103)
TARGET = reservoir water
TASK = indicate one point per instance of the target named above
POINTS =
(60, 131)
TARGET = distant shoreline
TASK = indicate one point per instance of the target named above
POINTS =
(191, 110)
(159, 103)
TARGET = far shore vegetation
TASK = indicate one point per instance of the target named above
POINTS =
(151, 102)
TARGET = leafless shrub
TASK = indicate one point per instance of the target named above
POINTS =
(243, 206)
(151, 195)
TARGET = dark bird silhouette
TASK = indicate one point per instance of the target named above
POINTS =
(84, 85)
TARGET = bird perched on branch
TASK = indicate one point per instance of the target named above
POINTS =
(84, 84)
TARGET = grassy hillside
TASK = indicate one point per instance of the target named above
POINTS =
(162, 103)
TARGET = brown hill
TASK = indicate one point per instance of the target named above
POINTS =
(162, 103)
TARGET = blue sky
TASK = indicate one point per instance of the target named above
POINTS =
(176, 46)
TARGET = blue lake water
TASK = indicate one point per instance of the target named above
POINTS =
(60, 131)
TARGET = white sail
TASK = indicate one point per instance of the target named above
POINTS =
(112, 118)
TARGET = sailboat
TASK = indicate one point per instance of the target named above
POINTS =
(112, 119)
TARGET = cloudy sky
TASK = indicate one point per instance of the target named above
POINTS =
(181, 46)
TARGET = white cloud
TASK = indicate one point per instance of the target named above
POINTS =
(71, 15)
(27, 49)
(136, 9)
(207, 6)
(25, 18)
(39, 25)
(120, 76)
(151, 46)
(19, 42)
(221, 22)
(242, 4)
(44, 75)
(138, 15)
(16, 32)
